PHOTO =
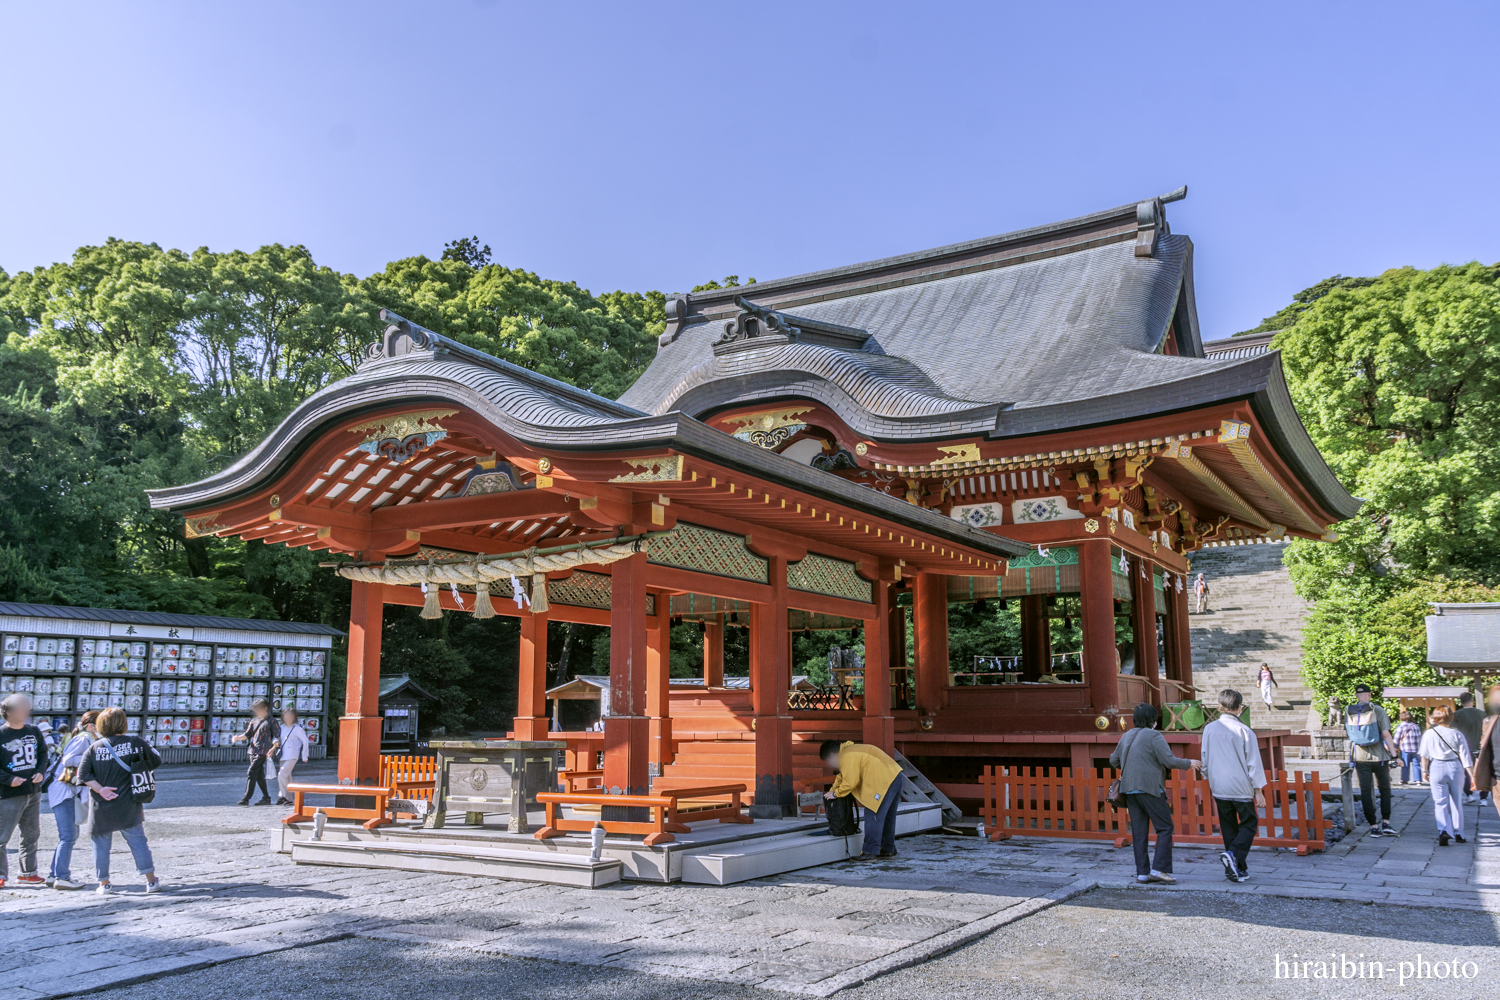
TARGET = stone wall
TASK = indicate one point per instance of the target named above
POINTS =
(1252, 616)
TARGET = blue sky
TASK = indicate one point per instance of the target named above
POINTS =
(657, 145)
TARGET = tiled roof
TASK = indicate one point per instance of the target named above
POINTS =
(161, 618)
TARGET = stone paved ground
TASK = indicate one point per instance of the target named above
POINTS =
(811, 932)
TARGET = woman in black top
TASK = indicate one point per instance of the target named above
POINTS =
(115, 807)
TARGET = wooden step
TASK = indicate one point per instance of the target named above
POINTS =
(555, 868)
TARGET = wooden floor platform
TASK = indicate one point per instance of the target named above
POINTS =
(711, 853)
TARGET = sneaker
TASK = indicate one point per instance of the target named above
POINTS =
(1460, 838)
(1443, 839)
(1157, 876)
(66, 883)
(1386, 830)
(1471, 797)
(153, 887)
(104, 889)
(283, 801)
(265, 801)
(866, 858)
(243, 802)
(1375, 831)
(32, 879)
(1231, 869)
(1242, 876)
(883, 856)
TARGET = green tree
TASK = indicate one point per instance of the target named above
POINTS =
(1398, 382)
(1349, 638)
(1301, 301)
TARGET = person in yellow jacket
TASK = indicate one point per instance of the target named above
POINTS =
(867, 773)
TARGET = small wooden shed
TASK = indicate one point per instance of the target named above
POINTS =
(400, 698)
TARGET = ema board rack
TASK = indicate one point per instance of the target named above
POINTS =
(186, 682)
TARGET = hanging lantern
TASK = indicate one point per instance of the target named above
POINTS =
(982, 606)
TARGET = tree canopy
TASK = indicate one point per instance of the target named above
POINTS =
(130, 367)
(1397, 379)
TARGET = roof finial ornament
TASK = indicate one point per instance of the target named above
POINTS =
(401, 336)
(756, 321)
(1151, 221)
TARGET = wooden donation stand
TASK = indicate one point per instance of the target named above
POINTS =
(485, 776)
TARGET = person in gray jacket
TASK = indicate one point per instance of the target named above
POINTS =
(1142, 755)
(1232, 765)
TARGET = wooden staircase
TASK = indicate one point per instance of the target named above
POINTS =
(730, 760)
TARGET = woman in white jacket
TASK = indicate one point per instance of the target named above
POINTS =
(1445, 758)
(69, 802)
(292, 746)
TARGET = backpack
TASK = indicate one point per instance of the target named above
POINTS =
(142, 783)
(842, 819)
(1362, 734)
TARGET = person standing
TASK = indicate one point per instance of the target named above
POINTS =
(293, 744)
(1370, 747)
(1267, 682)
(1469, 721)
(1408, 736)
(1445, 758)
(870, 775)
(68, 800)
(1487, 756)
(261, 737)
(1236, 775)
(1142, 755)
(115, 767)
(1200, 587)
(23, 762)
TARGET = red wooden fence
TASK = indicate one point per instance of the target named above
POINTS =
(1051, 802)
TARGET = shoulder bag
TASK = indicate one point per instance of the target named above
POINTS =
(142, 783)
(1116, 794)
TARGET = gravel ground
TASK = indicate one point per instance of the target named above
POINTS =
(1104, 945)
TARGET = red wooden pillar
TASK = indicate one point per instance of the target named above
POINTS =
(531, 694)
(1179, 644)
(1143, 624)
(658, 681)
(930, 619)
(879, 725)
(770, 682)
(627, 730)
(713, 652)
(359, 728)
(1100, 672)
(1036, 636)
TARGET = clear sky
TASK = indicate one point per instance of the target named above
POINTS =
(637, 145)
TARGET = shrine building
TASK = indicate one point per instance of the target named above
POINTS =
(1027, 418)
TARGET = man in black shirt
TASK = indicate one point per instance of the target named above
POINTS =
(261, 735)
(23, 763)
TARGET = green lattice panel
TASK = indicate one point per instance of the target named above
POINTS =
(821, 575)
(720, 553)
(587, 590)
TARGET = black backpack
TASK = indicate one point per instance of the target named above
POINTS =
(843, 819)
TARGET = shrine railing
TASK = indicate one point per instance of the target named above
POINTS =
(1056, 802)
(1008, 670)
(821, 699)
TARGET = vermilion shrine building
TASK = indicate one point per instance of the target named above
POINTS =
(1027, 417)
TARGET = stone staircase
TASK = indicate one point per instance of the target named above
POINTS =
(1253, 617)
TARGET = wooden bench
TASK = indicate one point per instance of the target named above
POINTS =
(580, 781)
(372, 817)
(668, 807)
(404, 783)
